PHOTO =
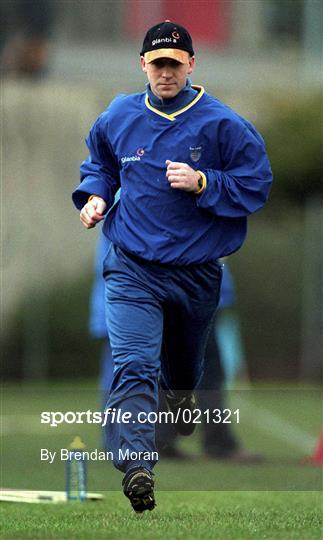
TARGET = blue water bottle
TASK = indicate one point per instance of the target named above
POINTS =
(76, 474)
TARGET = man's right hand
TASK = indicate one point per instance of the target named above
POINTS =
(93, 212)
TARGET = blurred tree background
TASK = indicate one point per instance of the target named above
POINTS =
(262, 62)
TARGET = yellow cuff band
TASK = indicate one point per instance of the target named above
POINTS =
(91, 197)
(204, 183)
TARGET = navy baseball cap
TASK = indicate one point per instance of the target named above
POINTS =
(167, 40)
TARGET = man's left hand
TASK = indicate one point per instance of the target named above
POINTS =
(182, 176)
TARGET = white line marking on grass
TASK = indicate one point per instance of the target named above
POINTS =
(260, 417)
(277, 427)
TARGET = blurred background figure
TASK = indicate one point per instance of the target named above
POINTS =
(227, 331)
(223, 362)
(26, 27)
(97, 324)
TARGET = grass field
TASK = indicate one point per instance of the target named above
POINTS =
(192, 515)
(199, 498)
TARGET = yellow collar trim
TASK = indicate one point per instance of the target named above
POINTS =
(172, 116)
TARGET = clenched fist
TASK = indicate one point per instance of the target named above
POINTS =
(93, 212)
(182, 176)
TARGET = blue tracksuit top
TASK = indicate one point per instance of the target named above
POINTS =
(129, 144)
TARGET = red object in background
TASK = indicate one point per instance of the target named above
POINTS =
(140, 15)
(208, 21)
(317, 457)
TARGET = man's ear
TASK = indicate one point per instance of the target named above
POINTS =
(143, 64)
(191, 65)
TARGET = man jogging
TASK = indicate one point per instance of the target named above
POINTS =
(190, 170)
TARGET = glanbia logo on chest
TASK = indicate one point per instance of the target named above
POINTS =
(135, 157)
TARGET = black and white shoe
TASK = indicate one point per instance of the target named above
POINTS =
(138, 486)
(183, 412)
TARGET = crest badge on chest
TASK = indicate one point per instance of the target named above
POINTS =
(195, 153)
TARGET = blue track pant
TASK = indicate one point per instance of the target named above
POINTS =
(158, 318)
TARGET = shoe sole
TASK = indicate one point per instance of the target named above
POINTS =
(143, 502)
(141, 493)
